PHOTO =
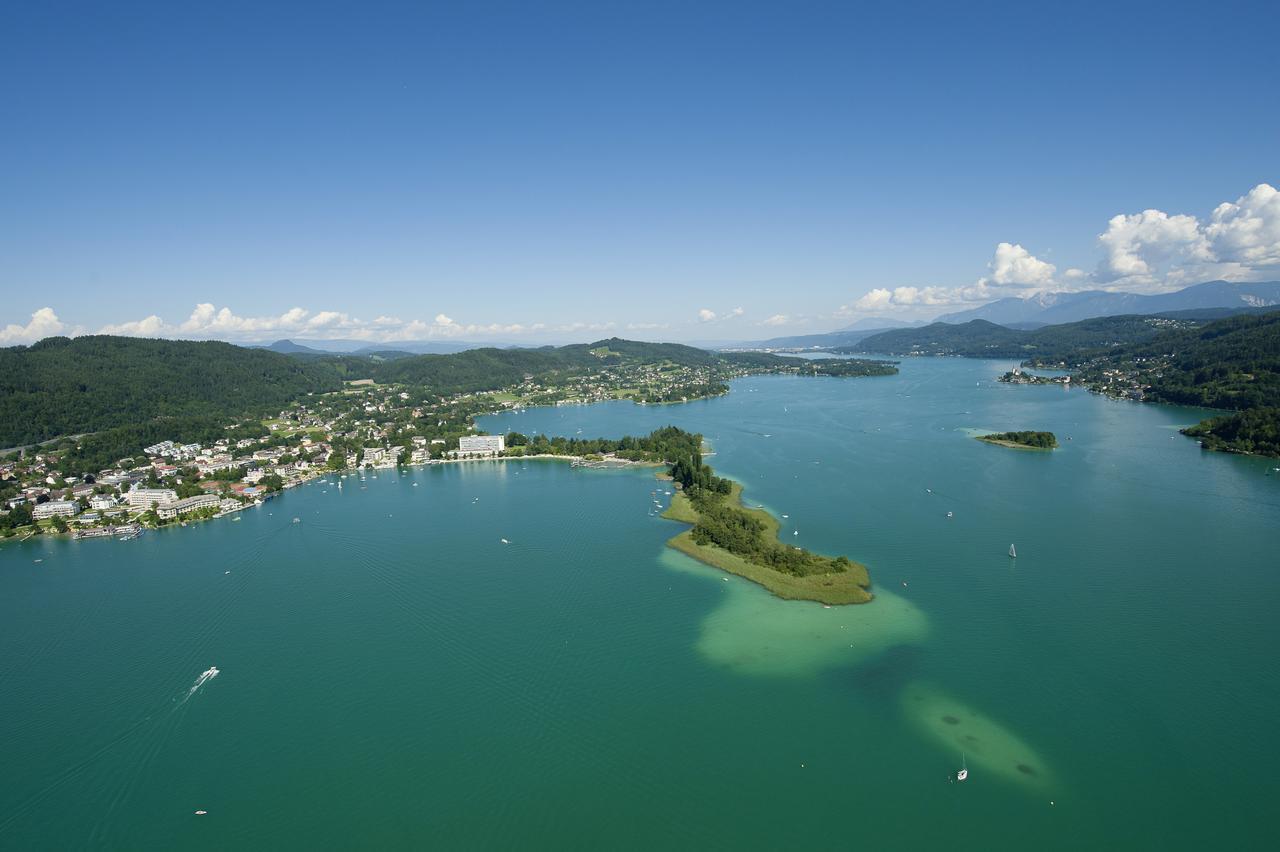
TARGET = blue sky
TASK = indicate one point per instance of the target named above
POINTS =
(680, 171)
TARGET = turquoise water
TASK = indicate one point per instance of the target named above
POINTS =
(393, 676)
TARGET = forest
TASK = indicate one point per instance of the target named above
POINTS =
(63, 386)
(1254, 431)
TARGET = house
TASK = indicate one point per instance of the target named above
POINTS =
(102, 501)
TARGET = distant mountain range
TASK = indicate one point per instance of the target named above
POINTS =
(364, 347)
(1054, 308)
(980, 338)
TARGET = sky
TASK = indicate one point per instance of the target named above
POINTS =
(534, 172)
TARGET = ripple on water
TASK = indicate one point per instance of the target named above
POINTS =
(755, 633)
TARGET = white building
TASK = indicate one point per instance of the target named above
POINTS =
(102, 501)
(481, 445)
(190, 504)
(142, 498)
(65, 508)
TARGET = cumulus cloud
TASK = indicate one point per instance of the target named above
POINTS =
(151, 326)
(1139, 245)
(207, 321)
(706, 315)
(1015, 266)
(1247, 231)
(1147, 251)
(776, 319)
(44, 323)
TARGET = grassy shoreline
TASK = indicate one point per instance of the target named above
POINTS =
(849, 587)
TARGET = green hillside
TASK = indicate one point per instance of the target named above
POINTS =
(1050, 344)
(62, 386)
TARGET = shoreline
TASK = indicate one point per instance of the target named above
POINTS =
(74, 534)
(1013, 445)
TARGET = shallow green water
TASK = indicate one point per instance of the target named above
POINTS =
(393, 675)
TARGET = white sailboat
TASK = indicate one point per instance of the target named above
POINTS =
(1013, 554)
(964, 769)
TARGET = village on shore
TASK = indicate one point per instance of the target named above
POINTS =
(363, 426)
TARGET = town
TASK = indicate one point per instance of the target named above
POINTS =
(69, 487)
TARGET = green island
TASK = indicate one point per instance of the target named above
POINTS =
(727, 535)
(1022, 440)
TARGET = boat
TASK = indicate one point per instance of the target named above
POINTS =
(504, 541)
(1013, 553)
(949, 514)
(964, 770)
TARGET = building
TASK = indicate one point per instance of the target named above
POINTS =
(102, 501)
(65, 508)
(373, 455)
(142, 498)
(483, 445)
(190, 504)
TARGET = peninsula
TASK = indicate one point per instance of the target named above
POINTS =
(744, 541)
(1022, 440)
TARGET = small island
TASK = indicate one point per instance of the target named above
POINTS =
(744, 541)
(1022, 440)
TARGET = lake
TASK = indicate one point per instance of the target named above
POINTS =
(394, 675)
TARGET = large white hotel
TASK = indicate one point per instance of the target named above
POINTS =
(481, 445)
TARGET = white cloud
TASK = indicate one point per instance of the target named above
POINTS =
(1248, 230)
(874, 300)
(209, 322)
(776, 319)
(1015, 266)
(44, 323)
(1141, 245)
(151, 326)
(706, 315)
(646, 326)
(736, 312)
(1148, 251)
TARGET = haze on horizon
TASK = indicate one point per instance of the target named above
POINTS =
(573, 171)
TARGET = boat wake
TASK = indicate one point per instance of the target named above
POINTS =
(204, 678)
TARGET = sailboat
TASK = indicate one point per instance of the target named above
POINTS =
(1013, 554)
(964, 769)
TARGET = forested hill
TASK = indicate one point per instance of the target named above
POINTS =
(981, 339)
(63, 386)
(490, 369)
(1231, 363)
